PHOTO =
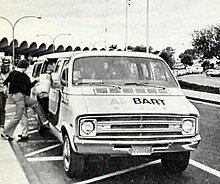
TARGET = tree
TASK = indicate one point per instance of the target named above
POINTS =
(113, 47)
(186, 59)
(206, 42)
(190, 52)
(167, 56)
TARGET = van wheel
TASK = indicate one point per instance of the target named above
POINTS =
(73, 162)
(176, 162)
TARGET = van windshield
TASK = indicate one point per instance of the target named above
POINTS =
(122, 71)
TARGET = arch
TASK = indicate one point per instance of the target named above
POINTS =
(15, 43)
(69, 48)
(3, 42)
(23, 46)
(94, 49)
(50, 48)
(47, 51)
(30, 49)
(78, 48)
(33, 46)
(42, 47)
(86, 49)
(37, 52)
(60, 49)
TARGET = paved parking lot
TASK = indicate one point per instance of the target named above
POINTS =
(43, 154)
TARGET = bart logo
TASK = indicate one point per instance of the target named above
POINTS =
(149, 101)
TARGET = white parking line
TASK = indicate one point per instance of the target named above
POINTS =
(10, 113)
(42, 150)
(32, 132)
(118, 172)
(205, 168)
(43, 159)
(9, 105)
(60, 158)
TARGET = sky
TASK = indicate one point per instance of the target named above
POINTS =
(171, 22)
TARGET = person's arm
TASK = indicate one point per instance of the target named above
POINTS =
(7, 80)
(33, 83)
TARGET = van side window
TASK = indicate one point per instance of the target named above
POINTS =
(64, 77)
(36, 70)
(50, 67)
(57, 66)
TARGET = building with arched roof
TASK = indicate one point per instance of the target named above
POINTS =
(33, 50)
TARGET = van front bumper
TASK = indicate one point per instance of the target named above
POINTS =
(141, 147)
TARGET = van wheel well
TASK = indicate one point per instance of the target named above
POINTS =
(73, 162)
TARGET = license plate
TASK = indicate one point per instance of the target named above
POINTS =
(141, 150)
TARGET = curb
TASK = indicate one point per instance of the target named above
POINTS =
(203, 100)
(26, 168)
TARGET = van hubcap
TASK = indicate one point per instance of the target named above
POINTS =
(66, 154)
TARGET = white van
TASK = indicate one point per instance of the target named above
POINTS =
(109, 103)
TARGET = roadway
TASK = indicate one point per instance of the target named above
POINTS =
(41, 156)
(42, 159)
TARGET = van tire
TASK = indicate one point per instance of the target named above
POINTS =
(73, 162)
(176, 162)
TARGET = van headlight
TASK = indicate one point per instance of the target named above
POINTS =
(188, 126)
(88, 127)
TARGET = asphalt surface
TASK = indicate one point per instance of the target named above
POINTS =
(42, 159)
(39, 160)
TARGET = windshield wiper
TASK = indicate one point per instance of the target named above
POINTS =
(144, 84)
(99, 84)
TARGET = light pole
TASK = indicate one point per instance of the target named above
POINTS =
(106, 23)
(53, 39)
(13, 32)
(126, 26)
(147, 26)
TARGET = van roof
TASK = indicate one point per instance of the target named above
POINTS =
(97, 53)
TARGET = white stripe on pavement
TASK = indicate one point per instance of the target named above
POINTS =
(32, 132)
(10, 113)
(205, 168)
(42, 159)
(118, 172)
(10, 105)
(42, 150)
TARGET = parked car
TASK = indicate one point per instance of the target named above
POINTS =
(213, 72)
(179, 72)
(194, 69)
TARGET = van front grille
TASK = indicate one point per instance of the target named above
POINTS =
(125, 127)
